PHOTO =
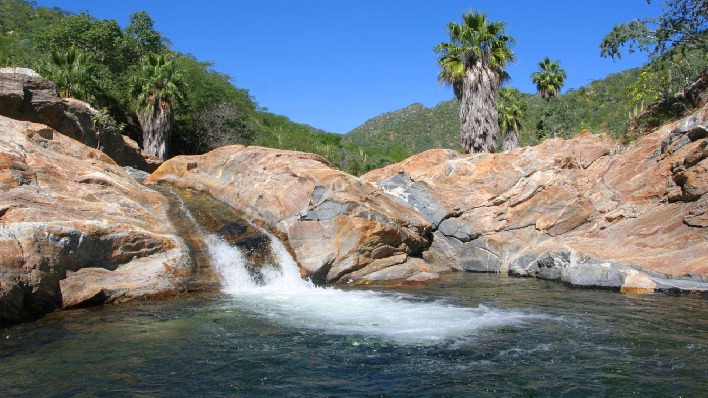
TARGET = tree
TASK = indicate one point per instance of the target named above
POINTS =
(473, 62)
(549, 79)
(644, 91)
(103, 39)
(684, 23)
(206, 91)
(511, 109)
(72, 72)
(677, 42)
(143, 34)
(220, 125)
(19, 20)
(155, 88)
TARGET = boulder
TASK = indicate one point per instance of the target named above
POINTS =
(581, 211)
(25, 95)
(76, 228)
(78, 123)
(136, 158)
(338, 227)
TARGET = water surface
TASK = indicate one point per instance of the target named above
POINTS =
(560, 341)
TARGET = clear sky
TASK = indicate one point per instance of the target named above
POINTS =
(334, 64)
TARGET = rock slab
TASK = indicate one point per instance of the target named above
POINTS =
(76, 228)
(583, 211)
(339, 228)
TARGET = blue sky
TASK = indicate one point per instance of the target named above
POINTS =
(334, 64)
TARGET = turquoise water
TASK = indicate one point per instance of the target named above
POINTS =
(529, 338)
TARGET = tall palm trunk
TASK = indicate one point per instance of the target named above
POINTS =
(511, 140)
(478, 109)
(156, 123)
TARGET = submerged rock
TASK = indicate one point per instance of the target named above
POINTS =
(338, 227)
(582, 211)
(77, 229)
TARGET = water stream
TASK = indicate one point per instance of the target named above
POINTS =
(284, 297)
(270, 333)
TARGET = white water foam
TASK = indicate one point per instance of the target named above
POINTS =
(287, 299)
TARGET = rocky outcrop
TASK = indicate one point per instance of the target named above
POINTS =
(25, 95)
(339, 228)
(580, 211)
(76, 228)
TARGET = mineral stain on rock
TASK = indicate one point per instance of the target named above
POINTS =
(196, 214)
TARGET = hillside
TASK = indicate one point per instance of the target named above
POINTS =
(598, 107)
(210, 112)
(416, 128)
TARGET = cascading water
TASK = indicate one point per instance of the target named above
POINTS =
(284, 297)
(256, 270)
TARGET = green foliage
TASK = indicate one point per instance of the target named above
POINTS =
(205, 92)
(677, 42)
(644, 91)
(104, 39)
(129, 72)
(277, 131)
(156, 86)
(683, 23)
(601, 106)
(511, 111)
(413, 129)
(473, 63)
(72, 71)
(157, 83)
(145, 39)
(19, 19)
(476, 40)
(549, 79)
(104, 122)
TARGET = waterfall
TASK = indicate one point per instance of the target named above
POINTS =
(284, 297)
(257, 272)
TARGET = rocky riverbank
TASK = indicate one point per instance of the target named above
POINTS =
(77, 229)
(582, 211)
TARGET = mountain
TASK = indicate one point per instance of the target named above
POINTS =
(415, 128)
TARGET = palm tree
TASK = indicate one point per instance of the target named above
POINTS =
(549, 79)
(512, 108)
(72, 72)
(156, 87)
(473, 62)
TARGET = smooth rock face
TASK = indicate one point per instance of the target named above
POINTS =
(338, 227)
(580, 211)
(77, 229)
